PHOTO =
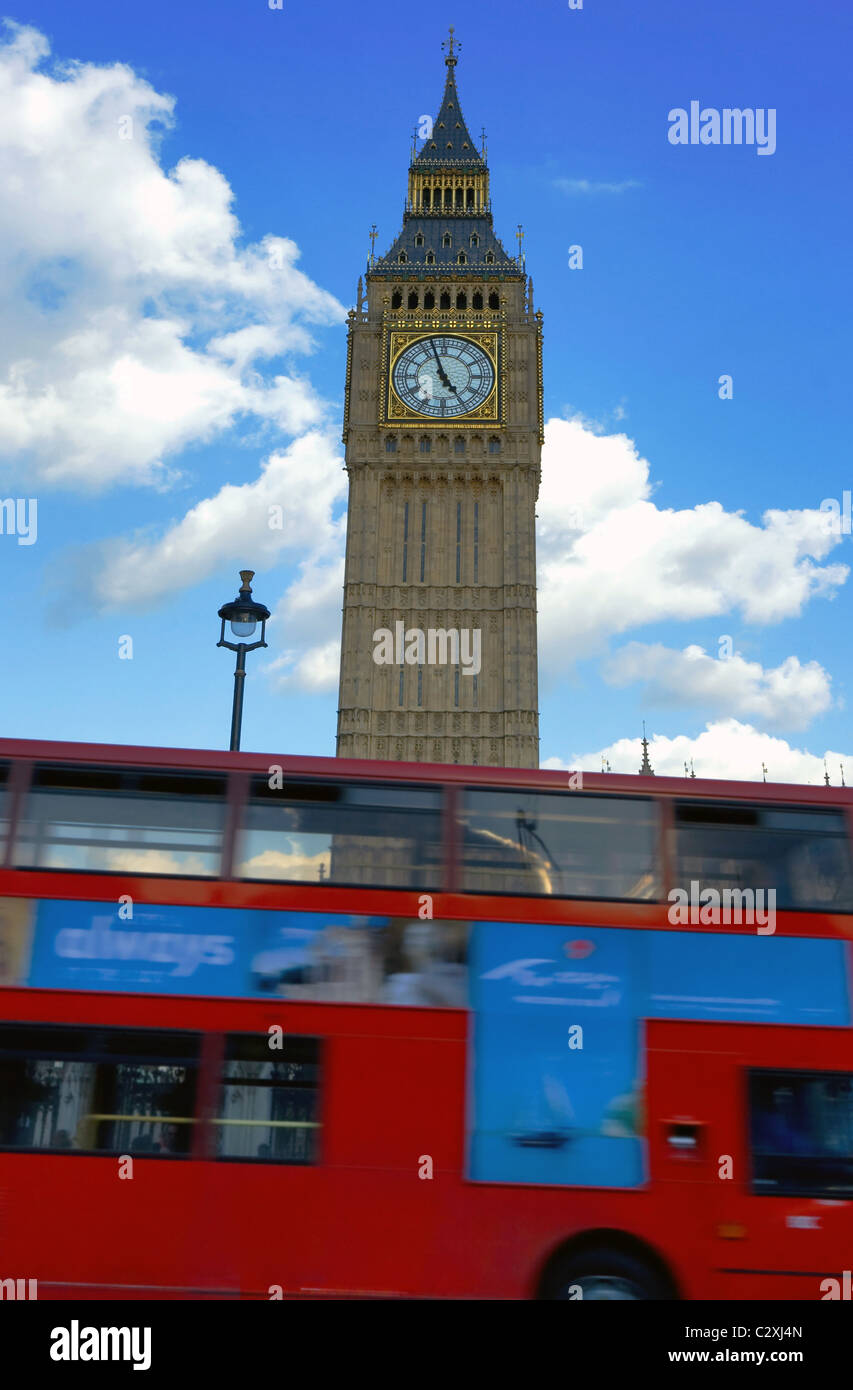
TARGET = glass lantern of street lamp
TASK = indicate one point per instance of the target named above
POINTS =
(244, 614)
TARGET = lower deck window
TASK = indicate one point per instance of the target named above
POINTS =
(268, 1107)
(104, 1090)
(801, 1133)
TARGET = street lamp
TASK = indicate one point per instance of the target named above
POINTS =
(243, 614)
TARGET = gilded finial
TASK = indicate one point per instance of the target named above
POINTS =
(451, 46)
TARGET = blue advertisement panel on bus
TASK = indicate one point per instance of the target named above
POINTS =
(556, 1084)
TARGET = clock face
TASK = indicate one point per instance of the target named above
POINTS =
(443, 376)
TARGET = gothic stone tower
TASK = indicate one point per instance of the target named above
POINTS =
(443, 434)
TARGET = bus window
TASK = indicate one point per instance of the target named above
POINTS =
(342, 832)
(268, 1106)
(105, 1090)
(565, 845)
(4, 808)
(802, 852)
(801, 1133)
(112, 820)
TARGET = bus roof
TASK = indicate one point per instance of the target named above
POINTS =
(363, 769)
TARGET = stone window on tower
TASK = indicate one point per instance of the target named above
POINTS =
(413, 299)
(391, 444)
(425, 198)
(444, 302)
(477, 302)
(402, 258)
(448, 197)
(419, 238)
(426, 445)
(420, 686)
(430, 258)
(458, 542)
(459, 192)
(462, 259)
(447, 240)
(494, 445)
(459, 445)
(475, 239)
(429, 297)
(489, 258)
(476, 546)
(469, 195)
(400, 688)
(456, 687)
(494, 302)
(405, 540)
(423, 539)
(397, 299)
(462, 300)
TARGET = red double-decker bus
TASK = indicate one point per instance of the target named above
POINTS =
(303, 1027)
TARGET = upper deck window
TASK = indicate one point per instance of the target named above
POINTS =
(116, 820)
(342, 832)
(802, 852)
(565, 844)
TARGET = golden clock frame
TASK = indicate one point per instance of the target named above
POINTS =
(397, 336)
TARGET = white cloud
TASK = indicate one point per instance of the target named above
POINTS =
(594, 186)
(133, 316)
(726, 749)
(610, 560)
(288, 509)
(788, 696)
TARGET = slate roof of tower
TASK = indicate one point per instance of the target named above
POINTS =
(432, 228)
(450, 136)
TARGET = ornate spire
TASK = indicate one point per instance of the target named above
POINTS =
(646, 770)
(451, 140)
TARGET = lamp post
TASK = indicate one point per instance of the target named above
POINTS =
(243, 614)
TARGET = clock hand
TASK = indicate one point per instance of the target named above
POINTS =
(443, 377)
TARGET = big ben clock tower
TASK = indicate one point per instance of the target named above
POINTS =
(443, 434)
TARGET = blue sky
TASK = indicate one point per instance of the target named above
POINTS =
(155, 355)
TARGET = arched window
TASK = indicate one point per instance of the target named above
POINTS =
(469, 195)
(477, 302)
(475, 238)
(444, 302)
(425, 198)
(462, 259)
(459, 444)
(494, 302)
(462, 300)
(459, 197)
(448, 197)
(390, 443)
(426, 445)
(413, 299)
(447, 240)
(490, 258)
(396, 300)
(494, 445)
(429, 300)
(430, 258)
(402, 258)
(419, 238)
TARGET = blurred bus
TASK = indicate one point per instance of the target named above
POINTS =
(306, 1027)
